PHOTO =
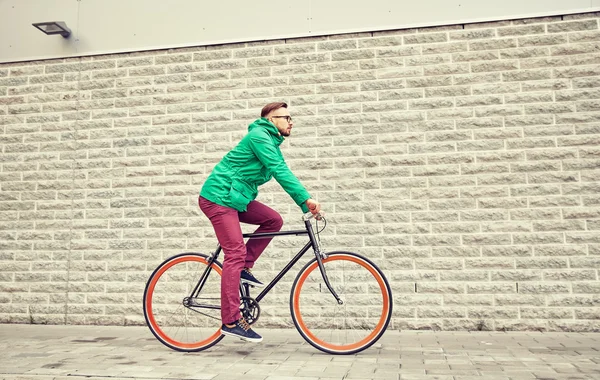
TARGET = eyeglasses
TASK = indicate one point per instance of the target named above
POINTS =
(287, 118)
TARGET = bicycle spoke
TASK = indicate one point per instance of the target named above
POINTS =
(178, 326)
(348, 327)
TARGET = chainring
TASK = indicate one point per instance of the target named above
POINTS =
(249, 309)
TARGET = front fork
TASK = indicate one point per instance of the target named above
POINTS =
(326, 279)
(320, 255)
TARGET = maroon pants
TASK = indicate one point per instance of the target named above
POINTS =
(226, 222)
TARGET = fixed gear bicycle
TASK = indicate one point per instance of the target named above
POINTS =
(340, 302)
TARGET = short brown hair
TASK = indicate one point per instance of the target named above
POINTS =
(272, 107)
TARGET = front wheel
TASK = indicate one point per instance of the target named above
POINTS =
(177, 320)
(355, 324)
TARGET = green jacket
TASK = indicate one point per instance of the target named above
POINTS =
(254, 161)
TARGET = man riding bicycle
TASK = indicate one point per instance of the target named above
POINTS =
(228, 198)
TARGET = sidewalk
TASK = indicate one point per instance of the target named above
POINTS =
(39, 352)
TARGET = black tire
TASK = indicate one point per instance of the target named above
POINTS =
(366, 311)
(166, 316)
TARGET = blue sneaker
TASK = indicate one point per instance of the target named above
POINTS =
(241, 330)
(248, 278)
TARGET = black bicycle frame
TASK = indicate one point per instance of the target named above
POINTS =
(311, 243)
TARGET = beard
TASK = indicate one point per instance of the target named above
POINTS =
(286, 132)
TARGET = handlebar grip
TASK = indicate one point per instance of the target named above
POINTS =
(309, 216)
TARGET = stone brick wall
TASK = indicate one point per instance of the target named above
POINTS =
(464, 160)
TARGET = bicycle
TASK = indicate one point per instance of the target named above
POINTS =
(344, 307)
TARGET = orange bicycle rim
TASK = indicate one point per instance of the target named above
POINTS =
(150, 314)
(380, 324)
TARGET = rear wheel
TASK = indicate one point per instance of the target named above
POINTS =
(345, 328)
(176, 320)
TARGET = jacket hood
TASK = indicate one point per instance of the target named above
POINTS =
(266, 124)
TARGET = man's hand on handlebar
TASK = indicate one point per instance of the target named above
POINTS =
(315, 208)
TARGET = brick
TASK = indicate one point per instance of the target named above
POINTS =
(503, 134)
(483, 215)
(399, 51)
(586, 287)
(554, 288)
(484, 168)
(477, 300)
(571, 95)
(533, 190)
(483, 192)
(493, 44)
(486, 239)
(447, 91)
(436, 170)
(425, 38)
(455, 228)
(478, 101)
(553, 177)
(450, 113)
(542, 40)
(572, 26)
(574, 72)
(468, 79)
(434, 216)
(590, 313)
(479, 123)
(461, 275)
(529, 143)
(452, 181)
(491, 288)
(591, 188)
(342, 56)
(545, 62)
(516, 275)
(503, 65)
(427, 60)
(511, 226)
(496, 88)
(450, 158)
(569, 275)
(458, 204)
(261, 51)
(450, 47)
(582, 237)
(585, 36)
(440, 288)
(475, 56)
(578, 118)
(472, 34)
(585, 59)
(554, 84)
(559, 226)
(429, 81)
(506, 251)
(569, 300)
(576, 49)
(448, 136)
(480, 145)
(537, 131)
(404, 206)
(521, 30)
(591, 105)
(543, 313)
(498, 111)
(551, 154)
(540, 166)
